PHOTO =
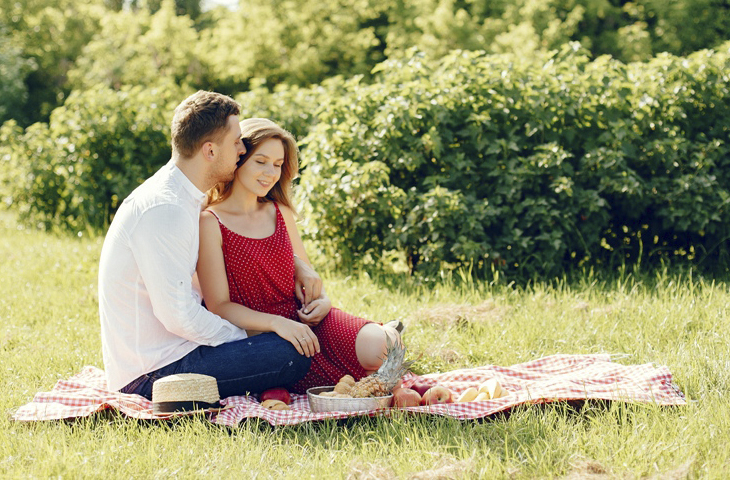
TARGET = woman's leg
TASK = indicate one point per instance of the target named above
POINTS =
(245, 366)
(371, 344)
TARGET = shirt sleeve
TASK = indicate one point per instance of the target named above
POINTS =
(163, 245)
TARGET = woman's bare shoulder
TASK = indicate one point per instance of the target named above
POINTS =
(287, 212)
(208, 221)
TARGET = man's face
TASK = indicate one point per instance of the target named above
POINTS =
(230, 148)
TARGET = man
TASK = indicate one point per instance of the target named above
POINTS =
(152, 321)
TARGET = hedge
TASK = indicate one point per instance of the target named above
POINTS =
(530, 166)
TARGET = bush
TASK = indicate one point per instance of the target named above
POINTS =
(294, 108)
(73, 172)
(533, 165)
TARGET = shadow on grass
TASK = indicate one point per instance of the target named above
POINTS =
(601, 277)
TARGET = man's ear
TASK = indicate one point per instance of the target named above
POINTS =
(210, 151)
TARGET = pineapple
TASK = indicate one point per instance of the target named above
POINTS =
(381, 383)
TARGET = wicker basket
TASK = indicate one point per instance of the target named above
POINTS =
(318, 403)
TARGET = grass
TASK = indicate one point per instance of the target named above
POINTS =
(50, 330)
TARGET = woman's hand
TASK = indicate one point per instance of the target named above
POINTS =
(313, 313)
(298, 334)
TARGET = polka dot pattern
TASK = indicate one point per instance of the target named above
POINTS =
(336, 333)
(261, 277)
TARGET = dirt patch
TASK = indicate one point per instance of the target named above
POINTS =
(448, 355)
(679, 473)
(588, 469)
(602, 311)
(370, 471)
(452, 313)
(447, 468)
(581, 307)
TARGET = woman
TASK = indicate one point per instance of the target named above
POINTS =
(248, 240)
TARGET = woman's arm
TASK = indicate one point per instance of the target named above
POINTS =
(214, 286)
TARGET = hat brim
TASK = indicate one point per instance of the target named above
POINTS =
(166, 408)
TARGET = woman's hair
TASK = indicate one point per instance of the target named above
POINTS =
(254, 132)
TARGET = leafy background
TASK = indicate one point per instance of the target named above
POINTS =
(519, 138)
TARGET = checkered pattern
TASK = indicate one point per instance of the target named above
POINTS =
(549, 379)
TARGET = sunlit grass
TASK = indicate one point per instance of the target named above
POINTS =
(50, 330)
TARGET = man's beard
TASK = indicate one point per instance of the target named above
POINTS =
(222, 176)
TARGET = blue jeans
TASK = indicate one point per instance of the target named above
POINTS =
(251, 365)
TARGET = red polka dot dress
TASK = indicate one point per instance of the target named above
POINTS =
(261, 277)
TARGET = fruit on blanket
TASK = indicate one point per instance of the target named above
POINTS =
(421, 387)
(435, 395)
(381, 383)
(272, 404)
(406, 397)
(468, 395)
(279, 393)
(491, 387)
(481, 397)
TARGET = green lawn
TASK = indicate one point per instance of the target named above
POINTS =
(49, 330)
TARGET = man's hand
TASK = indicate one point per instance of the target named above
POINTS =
(313, 313)
(307, 284)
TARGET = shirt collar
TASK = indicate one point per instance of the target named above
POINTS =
(197, 195)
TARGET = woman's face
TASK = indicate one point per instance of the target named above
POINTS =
(262, 169)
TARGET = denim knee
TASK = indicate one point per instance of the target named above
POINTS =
(295, 366)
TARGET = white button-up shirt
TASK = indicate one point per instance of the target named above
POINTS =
(151, 314)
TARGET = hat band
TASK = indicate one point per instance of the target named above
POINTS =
(169, 407)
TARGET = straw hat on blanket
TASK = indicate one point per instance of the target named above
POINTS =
(185, 392)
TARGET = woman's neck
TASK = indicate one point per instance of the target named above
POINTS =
(241, 201)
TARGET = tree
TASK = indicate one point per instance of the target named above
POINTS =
(292, 42)
(13, 92)
(141, 48)
(49, 35)
(191, 8)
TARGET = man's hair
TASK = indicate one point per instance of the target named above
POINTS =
(200, 118)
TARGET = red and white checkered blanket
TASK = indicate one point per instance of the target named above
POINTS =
(549, 379)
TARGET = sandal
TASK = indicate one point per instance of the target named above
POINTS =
(397, 324)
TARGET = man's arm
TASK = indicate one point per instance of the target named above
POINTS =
(162, 243)
(308, 284)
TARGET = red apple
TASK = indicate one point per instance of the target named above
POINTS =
(278, 393)
(421, 387)
(406, 397)
(436, 395)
